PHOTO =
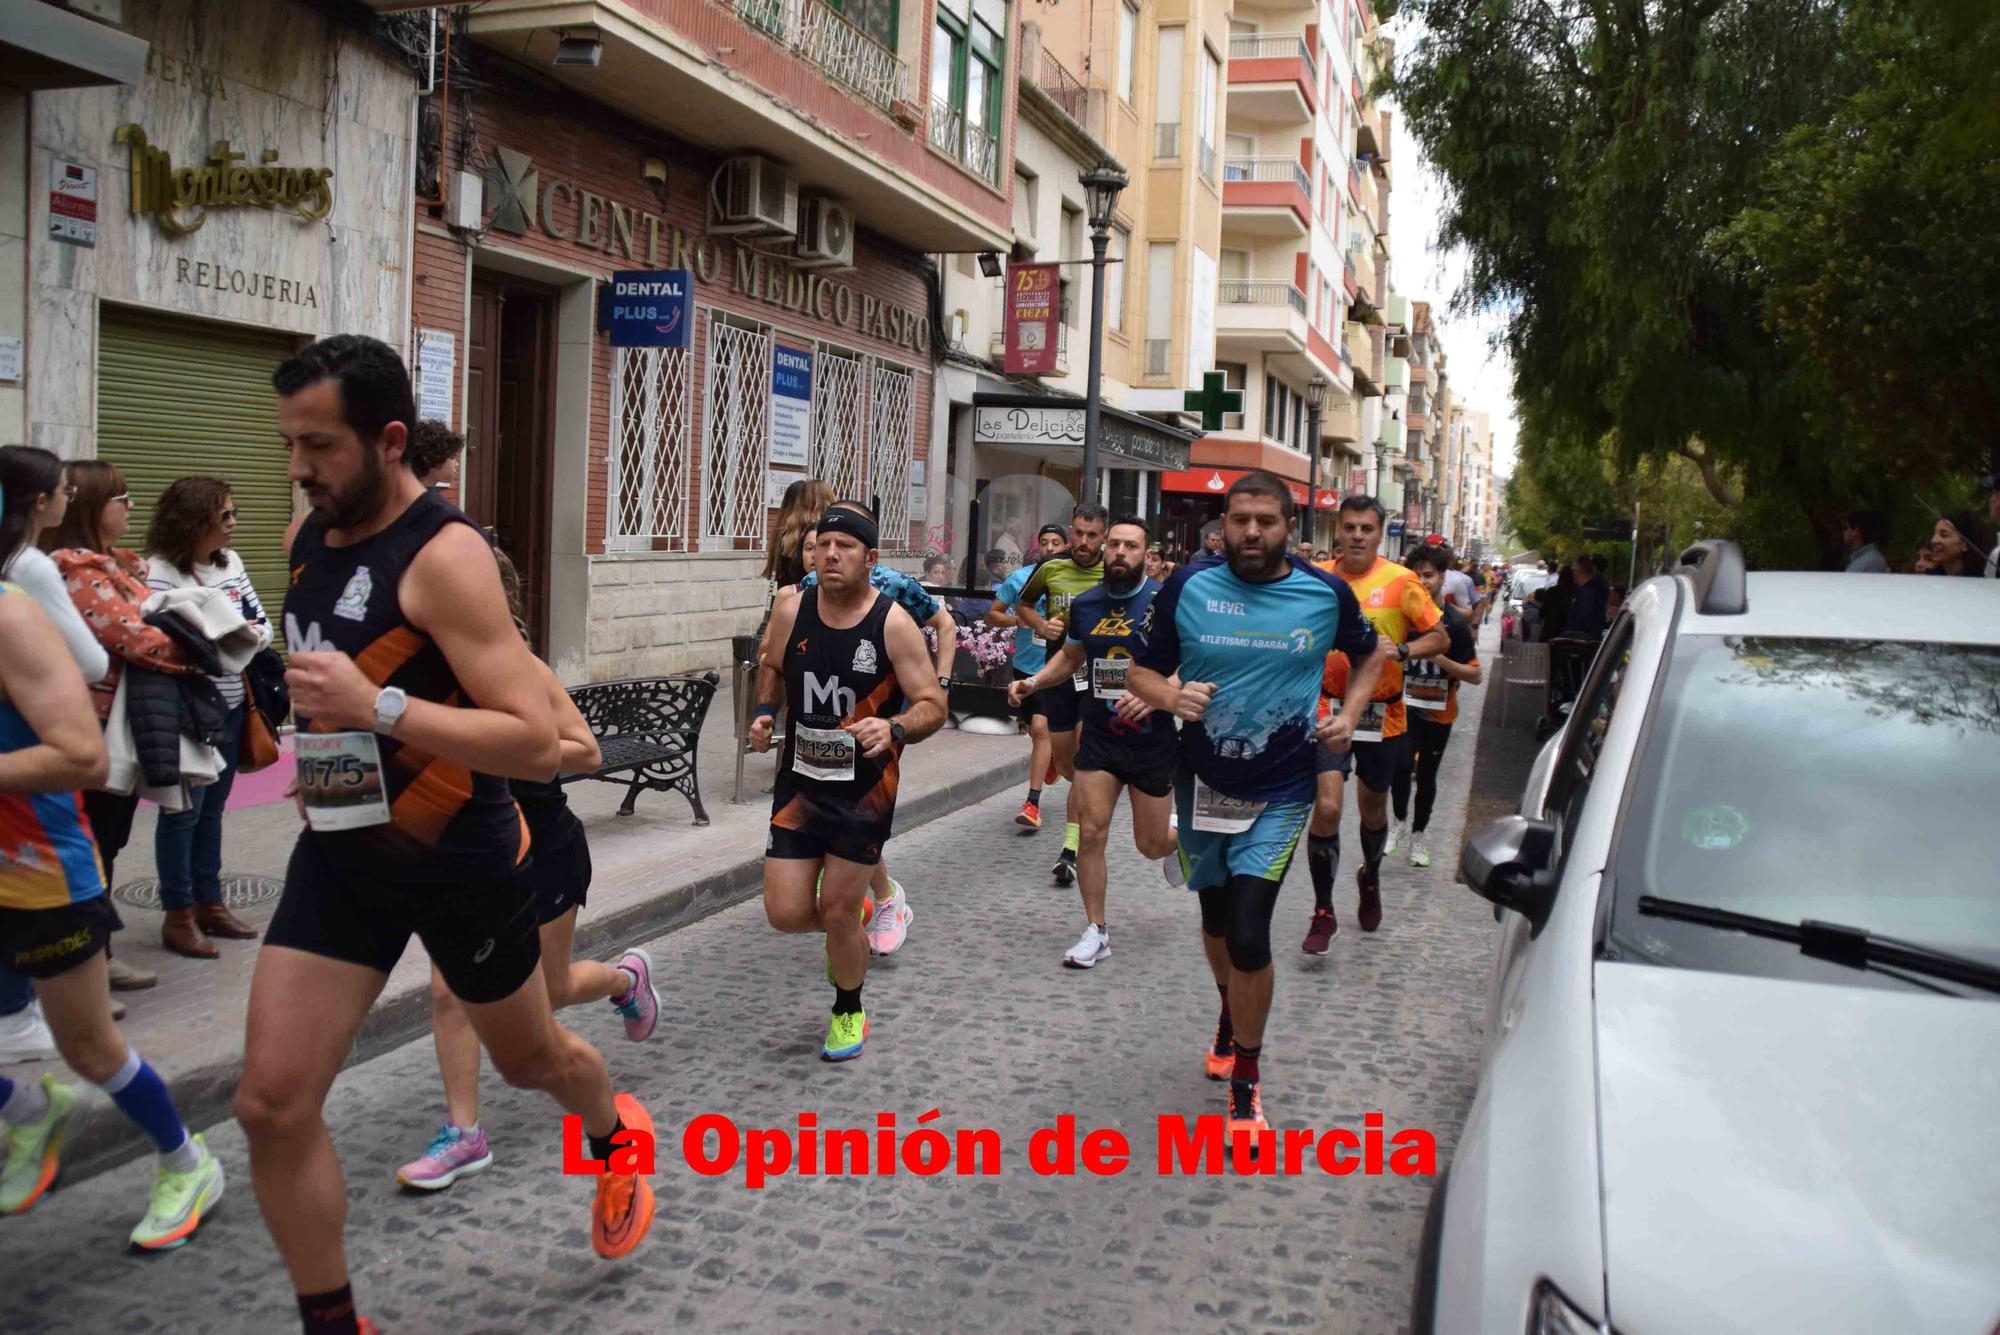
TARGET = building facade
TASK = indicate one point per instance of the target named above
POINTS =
(189, 228)
(788, 164)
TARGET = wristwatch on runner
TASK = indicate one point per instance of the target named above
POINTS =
(944, 683)
(895, 733)
(390, 702)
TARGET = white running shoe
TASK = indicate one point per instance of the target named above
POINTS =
(1420, 851)
(1398, 836)
(1092, 946)
(1170, 867)
(25, 1036)
(890, 926)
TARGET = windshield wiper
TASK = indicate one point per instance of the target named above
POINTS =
(1855, 947)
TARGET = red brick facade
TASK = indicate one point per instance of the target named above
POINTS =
(588, 161)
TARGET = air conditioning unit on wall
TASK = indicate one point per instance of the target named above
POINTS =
(754, 197)
(826, 235)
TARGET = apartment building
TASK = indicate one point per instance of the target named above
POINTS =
(1013, 444)
(799, 161)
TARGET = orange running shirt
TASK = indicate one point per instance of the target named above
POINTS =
(1399, 607)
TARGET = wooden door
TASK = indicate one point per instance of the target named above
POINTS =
(509, 460)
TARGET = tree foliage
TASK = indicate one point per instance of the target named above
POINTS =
(1632, 182)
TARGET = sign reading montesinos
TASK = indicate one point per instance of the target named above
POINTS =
(170, 193)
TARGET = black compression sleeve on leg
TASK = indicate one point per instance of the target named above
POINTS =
(1371, 846)
(1214, 910)
(1255, 899)
(1323, 861)
(1427, 772)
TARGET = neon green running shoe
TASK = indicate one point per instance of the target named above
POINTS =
(181, 1201)
(32, 1151)
(844, 1036)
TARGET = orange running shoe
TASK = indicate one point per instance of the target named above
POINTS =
(623, 1210)
(1246, 1109)
(1052, 778)
(1030, 816)
(1220, 1059)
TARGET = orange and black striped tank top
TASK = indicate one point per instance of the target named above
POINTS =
(446, 821)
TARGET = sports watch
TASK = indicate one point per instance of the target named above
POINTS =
(895, 733)
(390, 702)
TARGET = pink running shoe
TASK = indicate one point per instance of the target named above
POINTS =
(454, 1153)
(640, 1006)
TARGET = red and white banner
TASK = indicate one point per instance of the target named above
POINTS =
(1357, 482)
(1034, 306)
(1215, 481)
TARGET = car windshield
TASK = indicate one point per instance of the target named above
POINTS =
(1527, 583)
(1851, 781)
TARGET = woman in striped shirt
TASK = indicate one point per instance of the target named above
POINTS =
(189, 545)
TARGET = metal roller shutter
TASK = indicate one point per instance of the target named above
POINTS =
(180, 397)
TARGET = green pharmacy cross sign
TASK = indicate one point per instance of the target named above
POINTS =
(1213, 400)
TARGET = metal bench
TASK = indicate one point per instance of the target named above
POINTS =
(651, 728)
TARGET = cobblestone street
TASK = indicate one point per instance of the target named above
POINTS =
(975, 1018)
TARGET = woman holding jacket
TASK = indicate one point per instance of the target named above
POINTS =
(189, 545)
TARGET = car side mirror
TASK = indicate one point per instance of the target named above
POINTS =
(1512, 863)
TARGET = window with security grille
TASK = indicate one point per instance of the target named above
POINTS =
(892, 423)
(840, 422)
(736, 425)
(648, 480)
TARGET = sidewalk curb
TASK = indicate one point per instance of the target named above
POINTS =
(99, 1138)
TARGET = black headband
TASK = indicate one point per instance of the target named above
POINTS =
(851, 522)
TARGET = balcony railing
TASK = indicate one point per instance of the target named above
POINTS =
(1167, 140)
(1064, 89)
(973, 148)
(1274, 46)
(1158, 352)
(1278, 169)
(1207, 161)
(842, 51)
(851, 56)
(1235, 292)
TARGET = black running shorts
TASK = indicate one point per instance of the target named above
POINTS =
(47, 943)
(821, 836)
(480, 931)
(1036, 705)
(560, 873)
(1375, 762)
(1061, 705)
(1144, 762)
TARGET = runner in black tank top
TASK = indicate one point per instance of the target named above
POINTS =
(847, 660)
(829, 796)
(558, 871)
(416, 700)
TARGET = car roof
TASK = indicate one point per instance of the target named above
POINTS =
(1924, 608)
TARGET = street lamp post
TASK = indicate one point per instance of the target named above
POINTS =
(1315, 400)
(1101, 185)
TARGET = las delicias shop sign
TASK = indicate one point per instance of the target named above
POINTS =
(519, 200)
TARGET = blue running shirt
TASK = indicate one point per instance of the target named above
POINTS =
(1264, 647)
(1029, 654)
(1112, 630)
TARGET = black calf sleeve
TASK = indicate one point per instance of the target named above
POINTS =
(1371, 846)
(1323, 861)
(1214, 910)
(1252, 901)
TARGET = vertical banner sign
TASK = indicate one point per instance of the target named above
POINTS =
(652, 308)
(1033, 307)
(1357, 482)
(791, 406)
(437, 369)
(72, 203)
(1413, 516)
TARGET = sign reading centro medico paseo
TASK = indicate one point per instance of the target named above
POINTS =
(651, 308)
(518, 199)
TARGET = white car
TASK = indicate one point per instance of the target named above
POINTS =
(1742, 1049)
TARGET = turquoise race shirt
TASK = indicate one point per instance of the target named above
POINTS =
(1263, 646)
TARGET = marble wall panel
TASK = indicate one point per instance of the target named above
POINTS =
(263, 74)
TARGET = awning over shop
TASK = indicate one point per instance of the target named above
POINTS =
(1215, 481)
(1124, 440)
